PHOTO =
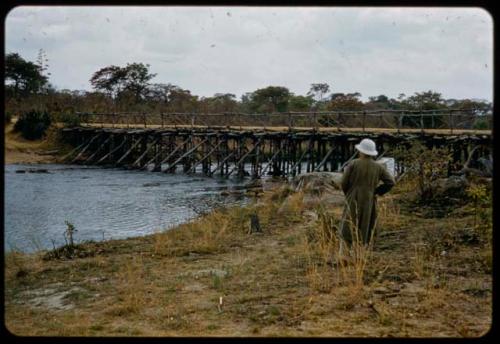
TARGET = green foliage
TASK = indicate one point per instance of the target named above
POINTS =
(130, 81)
(69, 119)
(70, 230)
(424, 166)
(23, 77)
(33, 124)
(270, 99)
(481, 124)
(129, 89)
(428, 100)
(345, 102)
(318, 91)
(300, 103)
(482, 206)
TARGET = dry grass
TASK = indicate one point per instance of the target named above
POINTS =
(287, 281)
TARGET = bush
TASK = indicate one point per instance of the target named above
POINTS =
(69, 119)
(8, 117)
(33, 124)
(481, 124)
(425, 167)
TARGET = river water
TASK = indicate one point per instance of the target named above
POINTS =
(102, 203)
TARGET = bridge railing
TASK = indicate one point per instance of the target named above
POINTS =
(361, 120)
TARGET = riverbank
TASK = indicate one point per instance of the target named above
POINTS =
(425, 277)
(18, 150)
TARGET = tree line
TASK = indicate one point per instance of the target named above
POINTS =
(131, 88)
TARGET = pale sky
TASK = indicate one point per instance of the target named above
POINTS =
(235, 50)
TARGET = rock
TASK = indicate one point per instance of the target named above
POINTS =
(38, 170)
(317, 182)
(150, 184)
(453, 186)
(194, 287)
(411, 288)
(381, 290)
(206, 272)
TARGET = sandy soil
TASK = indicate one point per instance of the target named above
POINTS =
(21, 151)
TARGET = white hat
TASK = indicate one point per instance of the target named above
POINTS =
(367, 147)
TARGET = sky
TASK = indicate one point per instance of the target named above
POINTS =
(210, 50)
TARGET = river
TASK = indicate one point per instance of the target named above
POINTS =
(102, 203)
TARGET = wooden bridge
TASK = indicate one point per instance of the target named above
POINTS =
(257, 145)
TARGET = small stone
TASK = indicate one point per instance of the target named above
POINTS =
(381, 290)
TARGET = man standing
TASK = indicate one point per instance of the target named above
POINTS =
(360, 184)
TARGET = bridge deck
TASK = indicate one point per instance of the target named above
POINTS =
(299, 129)
(253, 150)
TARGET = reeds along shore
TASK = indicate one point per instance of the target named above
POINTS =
(422, 276)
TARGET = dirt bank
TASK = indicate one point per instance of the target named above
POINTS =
(425, 277)
(21, 151)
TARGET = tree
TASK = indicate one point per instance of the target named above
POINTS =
(382, 102)
(137, 79)
(220, 102)
(429, 100)
(300, 103)
(345, 102)
(181, 100)
(132, 80)
(270, 99)
(23, 77)
(318, 91)
(109, 79)
(159, 93)
(475, 107)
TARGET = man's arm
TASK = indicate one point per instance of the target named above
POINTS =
(387, 182)
(346, 185)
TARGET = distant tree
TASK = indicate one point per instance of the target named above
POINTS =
(110, 79)
(428, 100)
(300, 103)
(345, 102)
(270, 99)
(125, 82)
(43, 62)
(220, 102)
(317, 91)
(378, 102)
(246, 105)
(181, 100)
(159, 93)
(475, 107)
(22, 77)
(137, 79)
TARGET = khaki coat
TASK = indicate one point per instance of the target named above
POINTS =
(361, 184)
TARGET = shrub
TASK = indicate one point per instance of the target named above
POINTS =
(481, 124)
(424, 166)
(69, 119)
(33, 124)
(8, 117)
